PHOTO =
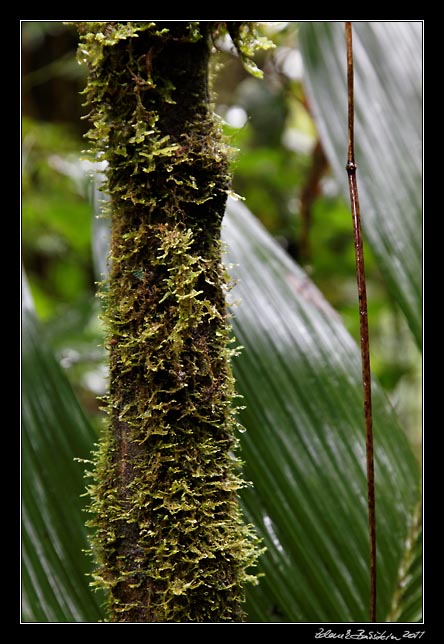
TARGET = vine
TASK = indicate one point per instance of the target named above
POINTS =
(363, 321)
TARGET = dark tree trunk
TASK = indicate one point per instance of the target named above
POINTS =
(169, 538)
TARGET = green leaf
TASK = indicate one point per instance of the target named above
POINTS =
(304, 448)
(55, 431)
(388, 139)
(407, 600)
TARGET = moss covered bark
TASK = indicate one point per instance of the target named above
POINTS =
(170, 542)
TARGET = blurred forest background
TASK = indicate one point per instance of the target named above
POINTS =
(279, 168)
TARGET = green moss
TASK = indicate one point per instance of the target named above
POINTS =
(170, 542)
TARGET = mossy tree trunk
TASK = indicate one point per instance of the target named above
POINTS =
(169, 540)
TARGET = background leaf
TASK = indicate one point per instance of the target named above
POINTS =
(299, 374)
(55, 431)
(407, 601)
(388, 131)
(304, 447)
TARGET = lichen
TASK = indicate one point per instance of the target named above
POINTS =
(170, 542)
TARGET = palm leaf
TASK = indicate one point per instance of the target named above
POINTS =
(55, 586)
(304, 448)
(388, 129)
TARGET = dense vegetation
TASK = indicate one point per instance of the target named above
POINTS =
(296, 383)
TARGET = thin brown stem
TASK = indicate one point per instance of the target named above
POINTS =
(363, 318)
(309, 193)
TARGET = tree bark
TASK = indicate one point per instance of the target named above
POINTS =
(169, 540)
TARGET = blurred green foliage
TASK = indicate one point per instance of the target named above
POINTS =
(269, 125)
(56, 251)
(56, 218)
